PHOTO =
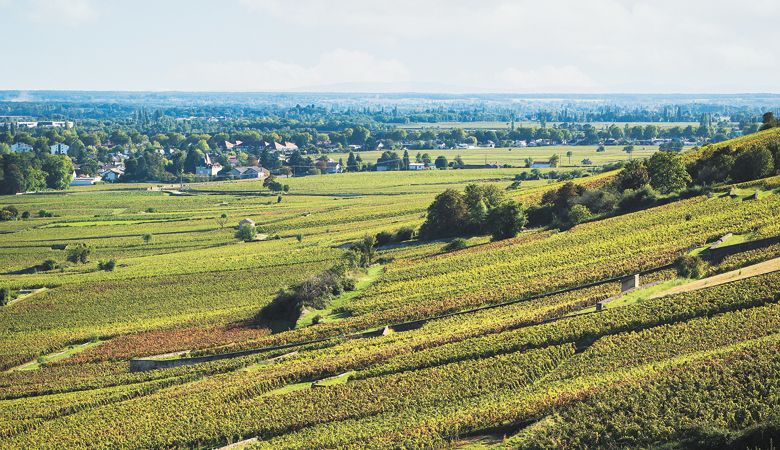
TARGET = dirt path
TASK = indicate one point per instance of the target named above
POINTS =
(768, 266)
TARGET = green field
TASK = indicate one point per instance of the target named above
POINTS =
(496, 344)
(516, 156)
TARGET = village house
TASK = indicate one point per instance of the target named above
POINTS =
(84, 180)
(59, 149)
(416, 166)
(209, 167)
(249, 172)
(21, 147)
(332, 166)
(112, 175)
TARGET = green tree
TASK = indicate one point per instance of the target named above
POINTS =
(78, 253)
(405, 161)
(366, 250)
(441, 162)
(569, 154)
(506, 220)
(352, 165)
(246, 233)
(633, 176)
(667, 172)
(753, 164)
(447, 216)
(59, 171)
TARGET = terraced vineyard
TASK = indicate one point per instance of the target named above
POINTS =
(496, 342)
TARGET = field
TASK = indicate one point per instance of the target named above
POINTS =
(516, 156)
(498, 343)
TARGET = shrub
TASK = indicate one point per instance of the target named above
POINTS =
(151, 210)
(642, 198)
(9, 213)
(539, 216)
(44, 213)
(49, 264)
(5, 296)
(455, 244)
(108, 266)
(78, 253)
(404, 234)
(384, 238)
(689, 266)
(299, 237)
(316, 319)
(246, 233)
(148, 238)
(26, 215)
(578, 214)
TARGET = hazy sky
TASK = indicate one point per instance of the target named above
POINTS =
(422, 45)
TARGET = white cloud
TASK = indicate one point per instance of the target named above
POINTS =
(333, 67)
(68, 12)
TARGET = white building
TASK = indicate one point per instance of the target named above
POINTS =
(59, 149)
(84, 181)
(21, 147)
(112, 175)
(416, 166)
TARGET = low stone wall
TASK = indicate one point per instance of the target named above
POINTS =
(717, 254)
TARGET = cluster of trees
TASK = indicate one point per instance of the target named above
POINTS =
(314, 292)
(661, 178)
(725, 164)
(481, 209)
(22, 172)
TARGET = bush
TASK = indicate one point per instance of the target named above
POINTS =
(690, 266)
(578, 214)
(246, 233)
(148, 238)
(78, 253)
(404, 234)
(539, 216)
(642, 198)
(455, 244)
(44, 213)
(316, 319)
(108, 266)
(9, 213)
(384, 238)
(5, 296)
(26, 215)
(151, 210)
(49, 264)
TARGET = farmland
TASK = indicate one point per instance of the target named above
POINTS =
(432, 347)
(517, 156)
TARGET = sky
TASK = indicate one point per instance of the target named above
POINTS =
(454, 46)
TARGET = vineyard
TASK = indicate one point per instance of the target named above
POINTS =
(497, 344)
